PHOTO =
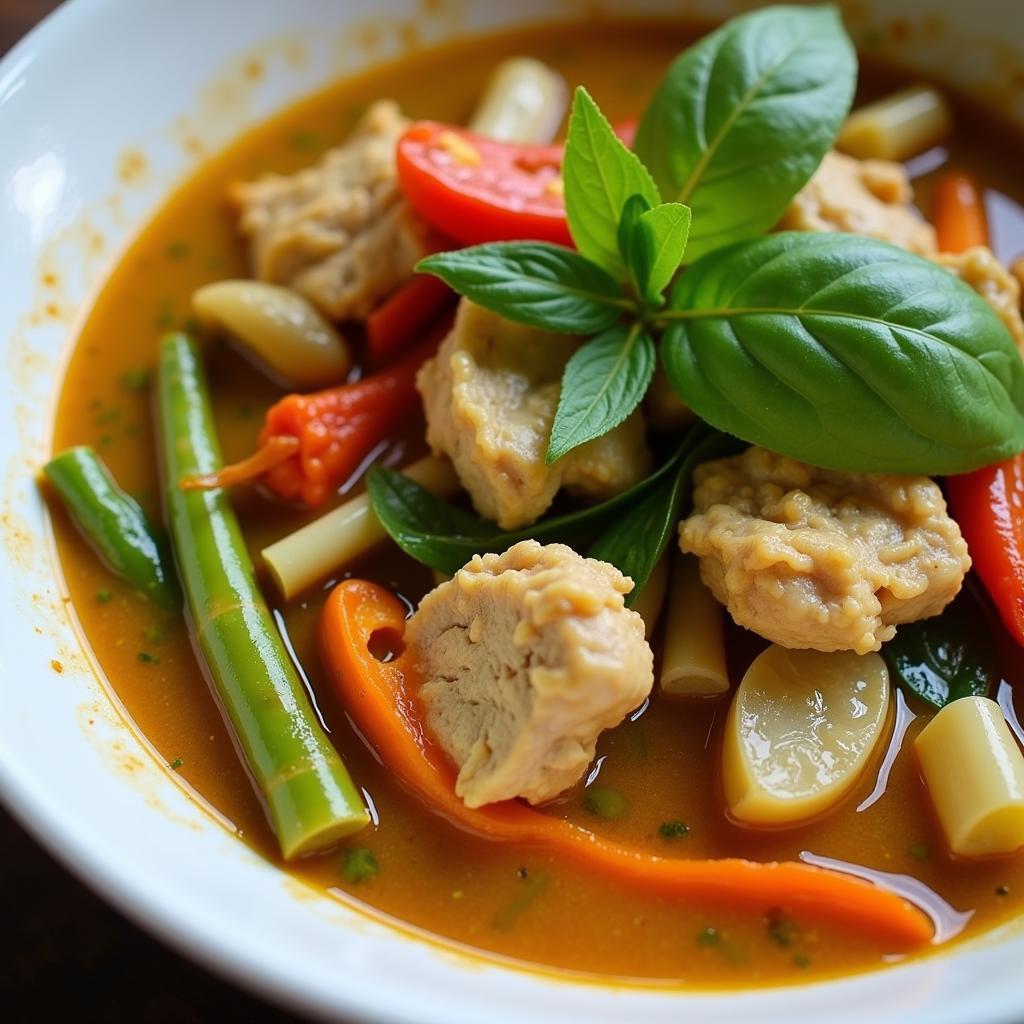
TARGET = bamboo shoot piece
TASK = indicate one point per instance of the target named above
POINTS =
(693, 659)
(974, 772)
(338, 538)
(525, 102)
(801, 730)
(898, 126)
(311, 801)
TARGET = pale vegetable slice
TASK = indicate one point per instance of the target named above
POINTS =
(974, 772)
(280, 328)
(801, 730)
(650, 600)
(525, 102)
(693, 660)
(334, 540)
(898, 126)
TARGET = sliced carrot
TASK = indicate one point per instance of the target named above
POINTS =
(361, 617)
(959, 213)
(395, 323)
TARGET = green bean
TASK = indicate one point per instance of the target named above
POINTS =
(113, 524)
(309, 795)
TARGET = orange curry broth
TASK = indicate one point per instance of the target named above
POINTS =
(513, 902)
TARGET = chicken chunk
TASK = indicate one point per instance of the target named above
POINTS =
(525, 658)
(490, 396)
(339, 232)
(811, 558)
(979, 268)
(864, 197)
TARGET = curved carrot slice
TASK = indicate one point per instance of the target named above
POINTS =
(959, 213)
(380, 696)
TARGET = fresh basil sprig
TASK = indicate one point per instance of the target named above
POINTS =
(742, 119)
(847, 353)
(445, 537)
(947, 657)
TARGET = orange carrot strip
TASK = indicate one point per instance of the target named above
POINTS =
(276, 450)
(380, 695)
(959, 213)
(395, 322)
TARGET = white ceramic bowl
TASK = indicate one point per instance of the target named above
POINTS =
(102, 109)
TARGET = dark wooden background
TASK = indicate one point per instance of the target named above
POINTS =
(65, 956)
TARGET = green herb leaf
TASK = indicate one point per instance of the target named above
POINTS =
(670, 229)
(600, 174)
(673, 829)
(535, 283)
(605, 802)
(847, 353)
(636, 540)
(360, 865)
(603, 382)
(636, 242)
(742, 119)
(446, 538)
(944, 658)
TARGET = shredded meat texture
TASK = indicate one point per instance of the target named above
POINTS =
(864, 197)
(490, 396)
(830, 561)
(979, 268)
(525, 658)
(338, 232)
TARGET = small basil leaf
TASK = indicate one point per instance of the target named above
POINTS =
(742, 119)
(446, 538)
(670, 229)
(847, 353)
(535, 283)
(599, 174)
(603, 382)
(944, 658)
(636, 242)
(636, 541)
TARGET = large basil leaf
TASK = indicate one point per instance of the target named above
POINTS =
(635, 541)
(536, 283)
(847, 353)
(600, 174)
(947, 657)
(446, 538)
(603, 382)
(742, 119)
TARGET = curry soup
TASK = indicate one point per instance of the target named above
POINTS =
(658, 771)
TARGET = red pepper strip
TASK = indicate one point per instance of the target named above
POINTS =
(401, 316)
(360, 617)
(988, 503)
(989, 506)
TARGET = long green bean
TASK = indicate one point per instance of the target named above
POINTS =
(113, 523)
(310, 797)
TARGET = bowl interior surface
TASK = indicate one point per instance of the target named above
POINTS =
(102, 110)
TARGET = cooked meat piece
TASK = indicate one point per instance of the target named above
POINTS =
(490, 396)
(526, 657)
(823, 560)
(339, 232)
(992, 281)
(864, 197)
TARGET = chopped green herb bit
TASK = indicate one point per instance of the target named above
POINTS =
(107, 416)
(532, 886)
(1002, 890)
(709, 937)
(801, 960)
(782, 930)
(673, 829)
(605, 802)
(919, 851)
(360, 865)
(305, 141)
(155, 634)
(177, 250)
(136, 379)
(165, 315)
(148, 659)
(245, 411)
(175, 764)
(103, 595)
